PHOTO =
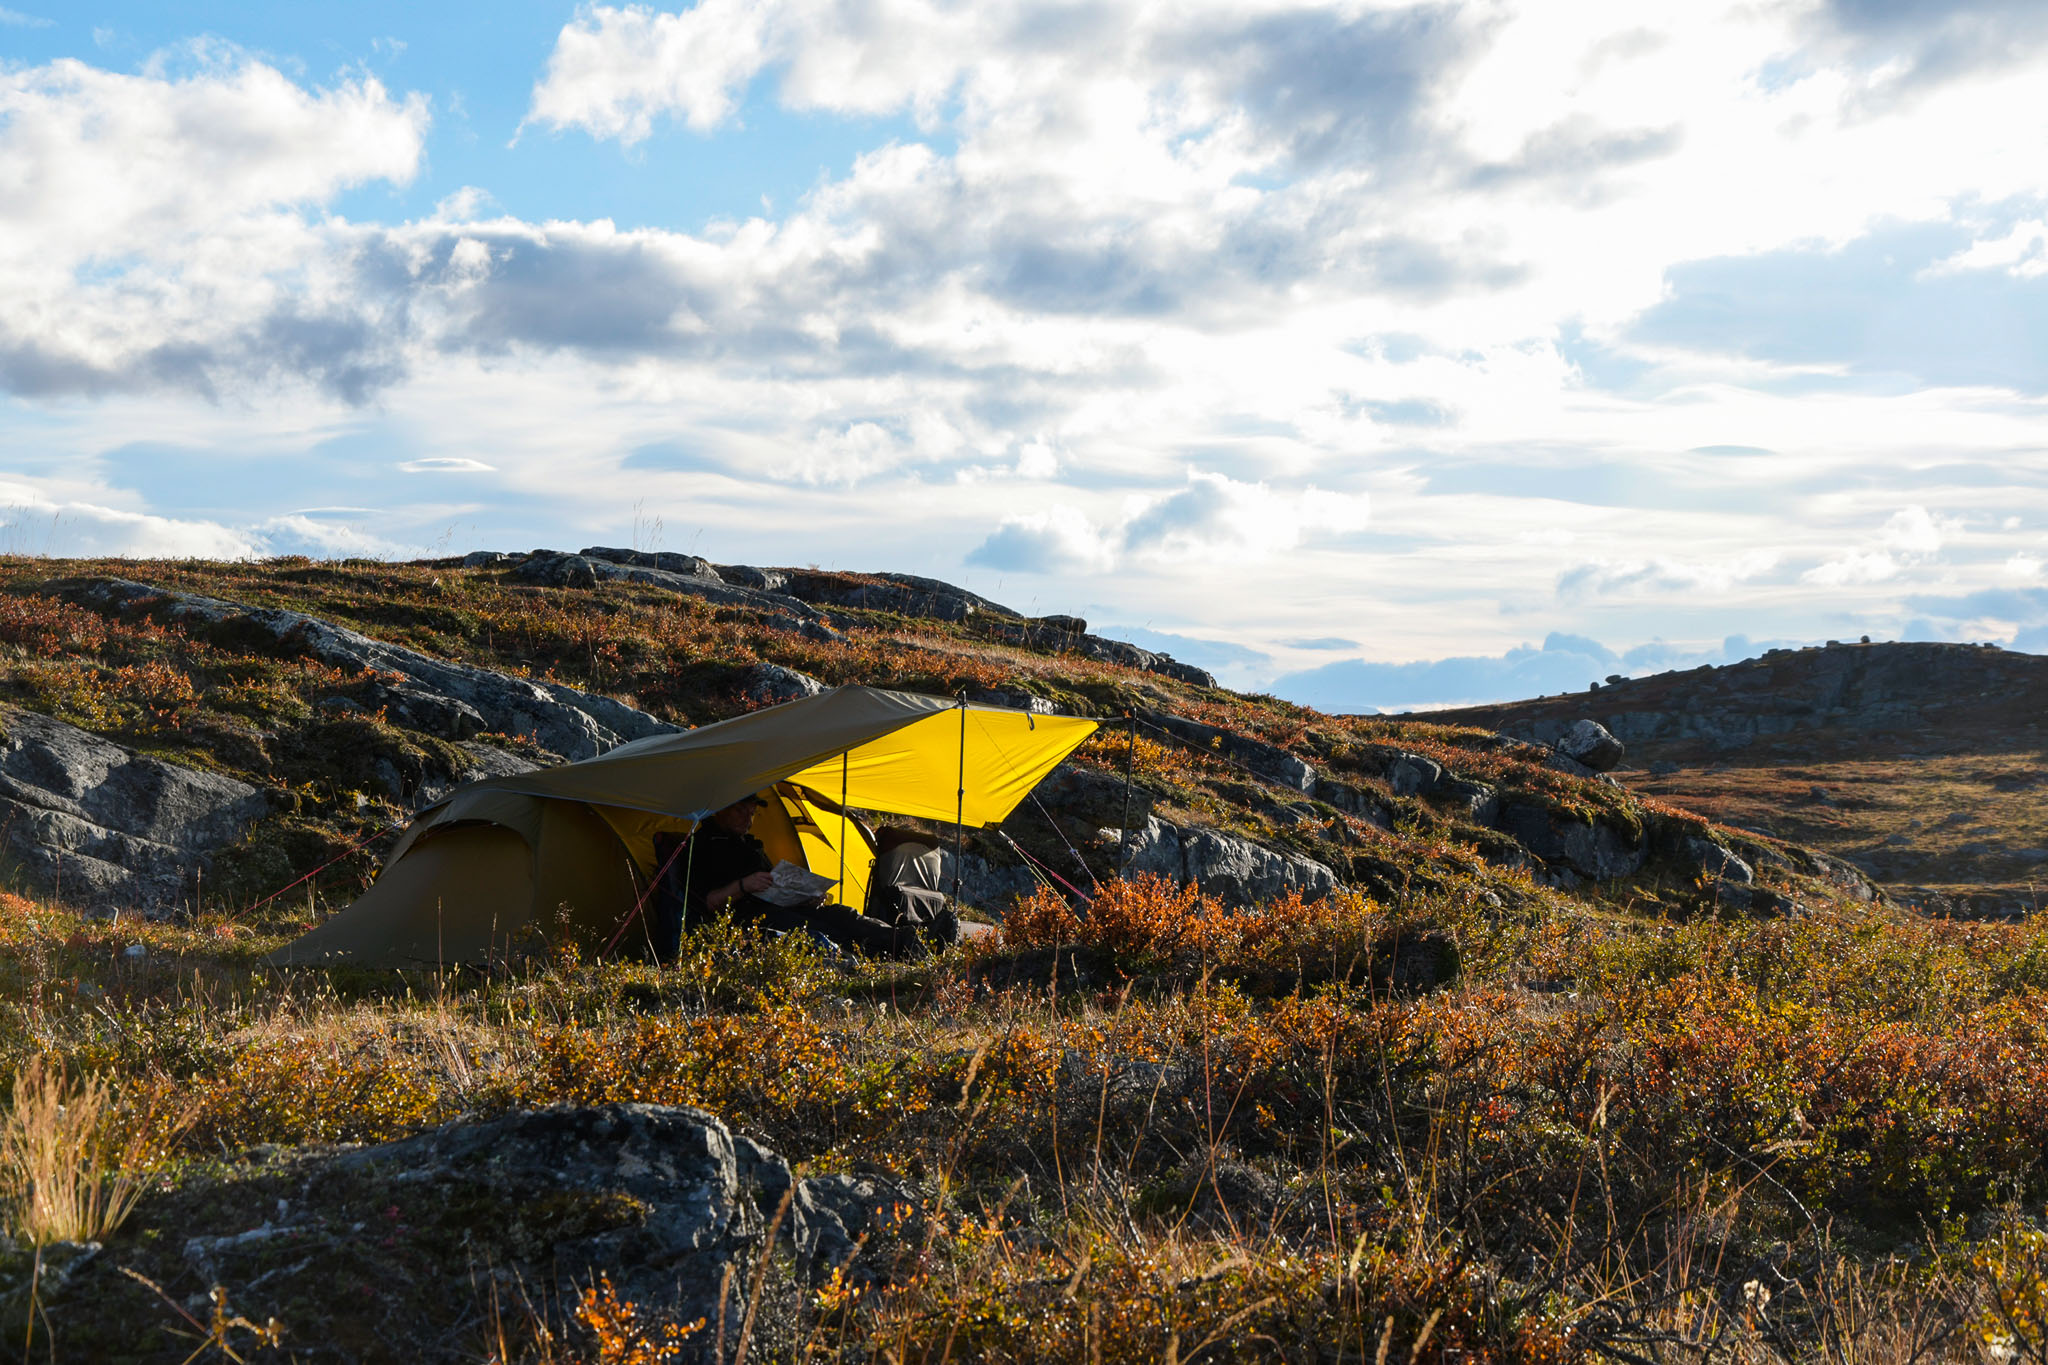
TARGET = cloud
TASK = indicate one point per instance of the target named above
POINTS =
(32, 523)
(155, 230)
(446, 464)
(1061, 540)
(12, 18)
(1907, 45)
(1661, 575)
(1215, 514)
(1910, 536)
(2021, 253)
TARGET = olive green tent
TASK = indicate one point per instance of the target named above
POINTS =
(502, 866)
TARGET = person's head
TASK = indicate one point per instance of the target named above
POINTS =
(739, 816)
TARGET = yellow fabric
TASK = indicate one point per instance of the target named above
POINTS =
(818, 823)
(916, 769)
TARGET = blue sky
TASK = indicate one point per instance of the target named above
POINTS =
(1377, 354)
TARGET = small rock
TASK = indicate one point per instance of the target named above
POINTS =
(772, 684)
(1590, 743)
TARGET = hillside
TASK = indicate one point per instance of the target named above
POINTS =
(1404, 1040)
(1923, 764)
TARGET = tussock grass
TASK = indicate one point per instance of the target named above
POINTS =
(71, 1168)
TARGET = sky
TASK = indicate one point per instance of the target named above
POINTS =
(1374, 355)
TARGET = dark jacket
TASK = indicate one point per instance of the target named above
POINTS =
(719, 858)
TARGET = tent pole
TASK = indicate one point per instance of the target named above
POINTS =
(1123, 833)
(842, 828)
(960, 801)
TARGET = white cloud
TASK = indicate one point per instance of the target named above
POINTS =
(1059, 540)
(323, 534)
(32, 523)
(1218, 515)
(2023, 567)
(13, 18)
(1858, 566)
(1916, 531)
(446, 464)
(2021, 253)
(1659, 574)
(1912, 535)
(156, 227)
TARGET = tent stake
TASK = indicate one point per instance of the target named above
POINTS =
(1123, 833)
(960, 801)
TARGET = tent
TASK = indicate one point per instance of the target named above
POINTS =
(500, 866)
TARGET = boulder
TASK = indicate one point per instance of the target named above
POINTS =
(692, 577)
(561, 719)
(1065, 625)
(558, 571)
(96, 823)
(488, 559)
(1235, 871)
(772, 684)
(1414, 775)
(1588, 742)
(689, 1201)
(747, 576)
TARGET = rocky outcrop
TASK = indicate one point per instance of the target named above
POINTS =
(1094, 798)
(95, 823)
(1912, 690)
(803, 601)
(666, 1203)
(1050, 632)
(1269, 761)
(450, 699)
(1235, 871)
(1592, 849)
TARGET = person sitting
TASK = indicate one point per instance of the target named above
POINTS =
(727, 871)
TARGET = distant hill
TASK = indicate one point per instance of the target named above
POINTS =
(1922, 763)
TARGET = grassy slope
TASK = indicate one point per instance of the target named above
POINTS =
(1619, 1116)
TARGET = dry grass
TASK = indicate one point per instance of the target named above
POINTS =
(72, 1162)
